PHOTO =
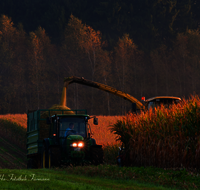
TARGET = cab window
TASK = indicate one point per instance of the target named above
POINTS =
(78, 123)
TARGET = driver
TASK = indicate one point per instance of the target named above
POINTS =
(69, 130)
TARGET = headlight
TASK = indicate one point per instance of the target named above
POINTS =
(80, 145)
(74, 145)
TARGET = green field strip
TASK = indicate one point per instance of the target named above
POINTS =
(51, 179)
(62, 178)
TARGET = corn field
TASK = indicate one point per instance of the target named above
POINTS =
(166, 138)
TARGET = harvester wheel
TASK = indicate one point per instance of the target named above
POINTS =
(96, 156)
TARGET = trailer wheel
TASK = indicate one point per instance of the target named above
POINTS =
(96, 156)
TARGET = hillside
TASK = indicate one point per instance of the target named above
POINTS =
(11, 155)
(12, 141)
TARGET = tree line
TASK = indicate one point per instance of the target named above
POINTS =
(149, 23)
(33, 68)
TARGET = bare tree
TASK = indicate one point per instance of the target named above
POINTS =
(125, 64)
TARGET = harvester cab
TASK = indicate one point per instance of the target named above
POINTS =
(160, 100)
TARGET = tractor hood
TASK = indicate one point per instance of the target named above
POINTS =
(75, 137)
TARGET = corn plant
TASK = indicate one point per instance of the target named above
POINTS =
(163, 137)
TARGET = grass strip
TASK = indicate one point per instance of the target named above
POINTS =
(179, 179)
(54, 179)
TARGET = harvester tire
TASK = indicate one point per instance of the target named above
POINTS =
(96, 156)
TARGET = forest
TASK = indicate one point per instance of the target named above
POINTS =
(144, 48)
